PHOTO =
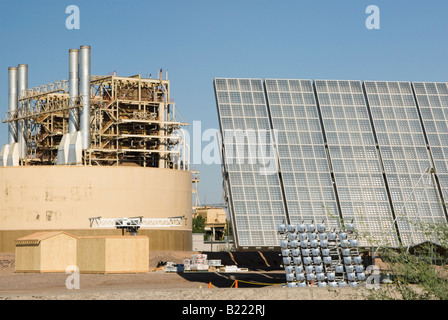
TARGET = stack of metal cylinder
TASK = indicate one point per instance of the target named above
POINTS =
(313, 256)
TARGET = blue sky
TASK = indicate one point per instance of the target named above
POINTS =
(199, 40)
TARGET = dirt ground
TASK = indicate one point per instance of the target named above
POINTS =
(262, 282)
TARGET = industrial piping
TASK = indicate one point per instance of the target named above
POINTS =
(12, 103)
(84, 92)
(73, 83)
(22, 84)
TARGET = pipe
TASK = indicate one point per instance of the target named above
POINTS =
(73, 83)
(12, 104)
(84, 92)
(22, 84)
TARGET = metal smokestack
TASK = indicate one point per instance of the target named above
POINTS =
(12, 104)
(84, 91)
(73, 83)
(22, 84)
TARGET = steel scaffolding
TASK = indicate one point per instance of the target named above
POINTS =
(132, 122)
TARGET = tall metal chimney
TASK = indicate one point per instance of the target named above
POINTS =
(73, 83)
(12, 104)
(84, 91)
(22, 84)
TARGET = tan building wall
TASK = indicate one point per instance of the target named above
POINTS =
(113, 254)
(45, 252)
(38, 198)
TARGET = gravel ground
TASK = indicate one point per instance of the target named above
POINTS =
(158, 285)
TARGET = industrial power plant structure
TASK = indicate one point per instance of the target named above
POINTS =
(94, 146)
(371, 153)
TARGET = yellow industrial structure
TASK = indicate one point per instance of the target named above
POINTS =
(45, 252)
(92, 146)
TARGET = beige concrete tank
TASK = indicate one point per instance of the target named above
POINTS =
(43, 198)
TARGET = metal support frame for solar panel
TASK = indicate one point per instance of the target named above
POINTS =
(249, 163)
(304, 167)
(355, 161)
(405, 157)
(432, 102)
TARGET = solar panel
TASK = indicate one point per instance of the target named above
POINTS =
(356, 166)
(250, 162)
(432, 101)
(303, 160)
(405, 157)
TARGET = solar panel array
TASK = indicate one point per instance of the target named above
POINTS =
(257, 200)
(330, 151)
(303, 161)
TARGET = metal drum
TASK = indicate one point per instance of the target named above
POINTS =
(309, 269)
(304, 244)
(330, 276)
(327, 260)
(284, 244)
(319, 269)
(322, 284)
(354, 284)
(297, 260)
(351, 276)
(332, 236)
(310, 227)
(286, 261)
(346, 252)
(342, 236)
(289, 269)
(314, 243)
(320, 227)
(323, 236)
(349, 269)
(290, 277)
(344, 244)
(361, 276)
(292, 236)
(291, 228)
(315, 252)
(353, 243)
(301, 228)
(339, 269)
(281, 228)
(303, 236)
(306, 252)
(295, 252)
(301, 284)
(333, 284)
(286, 252)
(307, 260)
(347, 260)
(292, 284)
(298, 269)
(317, 260)
(323, 243)
(294, 243)
(359, 269)
(310, 277)
(325, 252)
(342, 284)
(312, 236)
(300, 276)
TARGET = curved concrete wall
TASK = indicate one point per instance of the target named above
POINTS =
(65, 197)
